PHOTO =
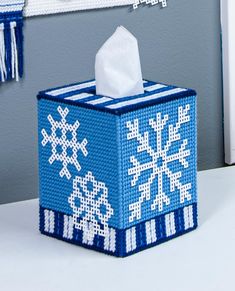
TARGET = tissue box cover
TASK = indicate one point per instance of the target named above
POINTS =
(117, 175)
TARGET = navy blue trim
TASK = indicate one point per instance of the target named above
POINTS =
(119, 111)
(90, 90)
(11, 16)
(166, 239)
(47, 92)
(19, 42)
(121, 233)
(136, 97)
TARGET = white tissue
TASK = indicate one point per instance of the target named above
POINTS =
(117, 67)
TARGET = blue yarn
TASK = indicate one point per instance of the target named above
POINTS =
(129, 148)
(114, 138)
(96, 161)
(7, 18)
(19, 41)
(120, 250)
(61, 98)
(121, 138)
(103, 147)
(7, 34)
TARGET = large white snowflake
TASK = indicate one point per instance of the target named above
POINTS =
(152, 2)
(159, 161)
(91, 209)
(64, 142)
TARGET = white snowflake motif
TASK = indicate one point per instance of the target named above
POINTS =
(64, 143)
(152, 2)
(91, 209)
(160, 160)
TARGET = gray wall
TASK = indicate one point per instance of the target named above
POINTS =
(178, 45)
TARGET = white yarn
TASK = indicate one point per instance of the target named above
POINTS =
(36, 7)
(149, 2)
(11, 5)
(14, 53)
(10, 17)
(3, 70)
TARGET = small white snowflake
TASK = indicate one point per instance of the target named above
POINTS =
(91, 209)
(64, 143)
(159, 161)
(152, 2)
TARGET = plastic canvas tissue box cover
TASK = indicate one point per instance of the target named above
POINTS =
(117, 175)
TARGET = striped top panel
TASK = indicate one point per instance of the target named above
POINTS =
(11, 5)
(84, 95)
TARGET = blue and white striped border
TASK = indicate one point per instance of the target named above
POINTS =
(120, 242)
(117, 104)
(71, 89)
(151, 234)
(11, 5)
(49, 221)
(84, 94)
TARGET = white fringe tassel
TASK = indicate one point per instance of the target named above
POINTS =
(14, 53)
(3, 70)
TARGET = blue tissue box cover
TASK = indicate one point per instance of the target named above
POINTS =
(117, 175)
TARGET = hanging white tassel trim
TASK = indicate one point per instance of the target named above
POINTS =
(3, 70)
(14, 53)
(11, 40)
(152, 2)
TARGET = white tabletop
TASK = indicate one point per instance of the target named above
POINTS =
(201, 260)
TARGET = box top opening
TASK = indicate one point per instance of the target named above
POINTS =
(84, 95)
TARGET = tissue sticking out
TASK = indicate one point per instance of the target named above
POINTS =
(117, 67)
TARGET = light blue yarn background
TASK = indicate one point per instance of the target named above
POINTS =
(102, 130)
(129, 148)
